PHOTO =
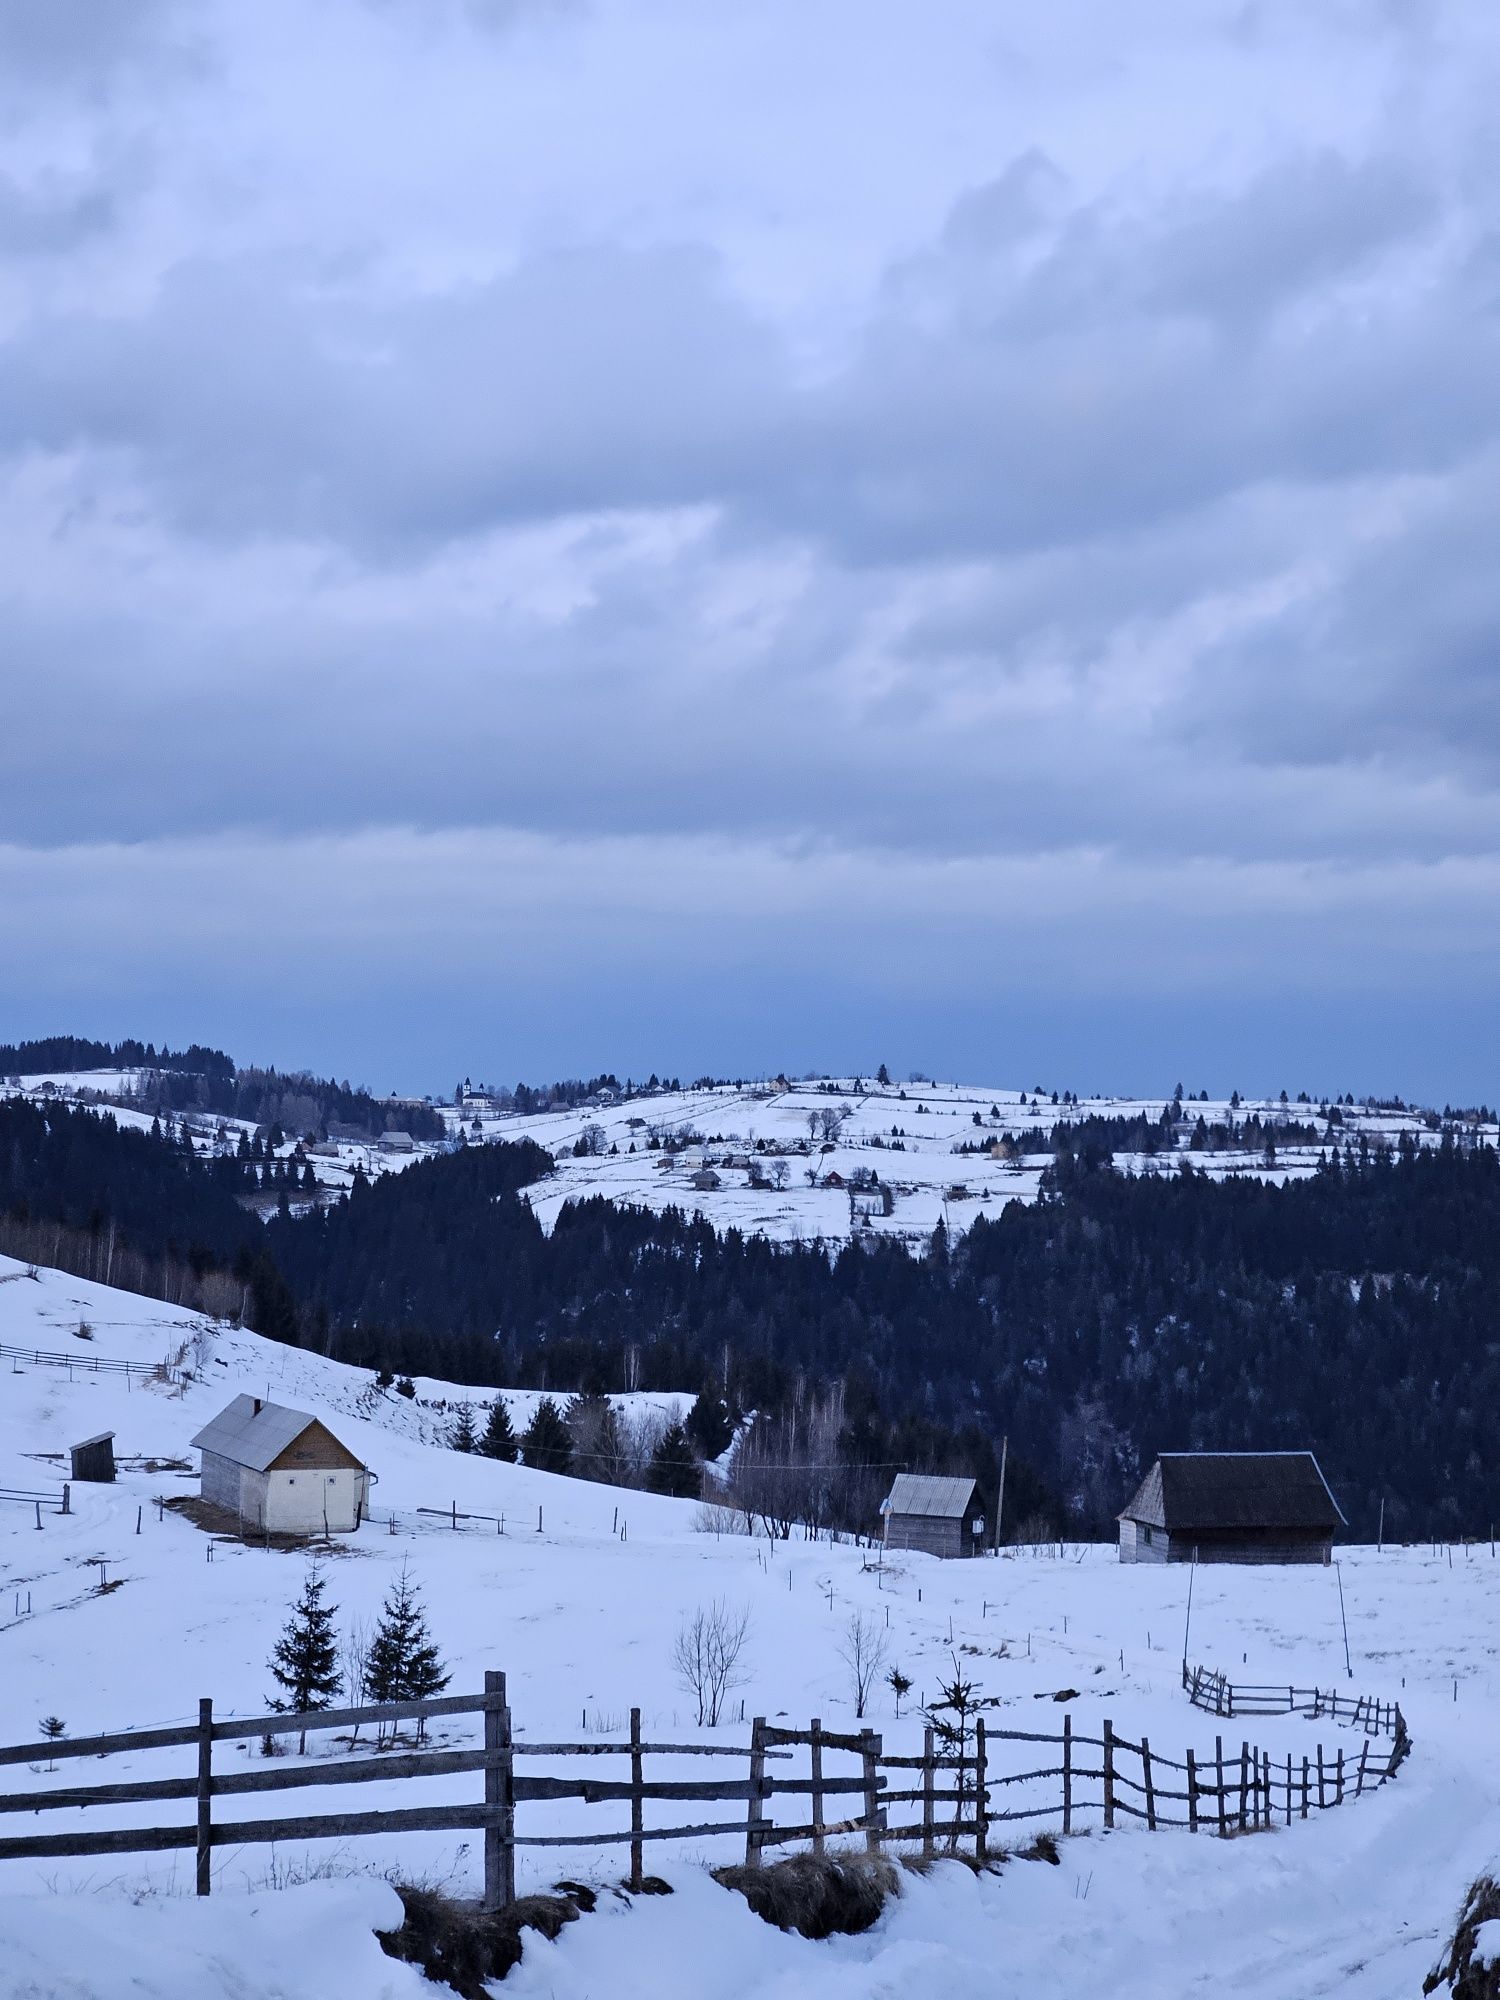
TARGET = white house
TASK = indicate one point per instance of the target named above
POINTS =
(282, 1470)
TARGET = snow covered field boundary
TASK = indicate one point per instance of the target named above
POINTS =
(949, 1786)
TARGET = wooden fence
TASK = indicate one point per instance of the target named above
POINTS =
(1217, 1695)
(90, 1364)
(949, 1797)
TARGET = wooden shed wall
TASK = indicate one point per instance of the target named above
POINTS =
(933, 1534)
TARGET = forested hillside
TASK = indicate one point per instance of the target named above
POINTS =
(1352, 1312)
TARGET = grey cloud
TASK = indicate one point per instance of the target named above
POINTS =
(53, 216)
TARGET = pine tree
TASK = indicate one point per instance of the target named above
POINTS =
(499, 1440)
(708, 1424)
(674, 1466)
(462, 1436)
(305, 1662)
(403, 1663)
(547, 1444)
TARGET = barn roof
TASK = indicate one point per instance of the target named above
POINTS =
(1188, 1491)
(253, 1433)
(936, 1498)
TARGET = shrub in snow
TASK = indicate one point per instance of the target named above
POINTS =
(1471, 1970)
(817, 1895)
(707, 1655)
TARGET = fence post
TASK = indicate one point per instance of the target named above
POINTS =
(929, 1779)
(757, 1781)
(816, 1756)
(1266, 1808)
(1289, 1788)
(1364, 1753)
(1150, 1788)
(1321, 1800)
(1339, 1792)
(1109, 1772)
(1244, 1783)
(870, 1747)
(1067, 1774)
(1192, 1792)
(637, 1802)
(1219, 1770)
(205, 1792)
(499, 1797)
(1304, 1788)
(981, 1793)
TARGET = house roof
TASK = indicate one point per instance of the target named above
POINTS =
(922, 1493)
(1207, 1491)
(253, 1436)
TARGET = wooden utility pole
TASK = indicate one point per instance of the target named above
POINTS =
(1000, 1497)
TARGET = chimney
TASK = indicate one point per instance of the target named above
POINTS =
(259, 1406)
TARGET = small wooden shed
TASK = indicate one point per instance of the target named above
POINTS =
(940, 1515)
(93, 1461)
(1231, 1506)
(282, 1470)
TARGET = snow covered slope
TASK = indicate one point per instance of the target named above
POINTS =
(583, 1621)
(912, 1136)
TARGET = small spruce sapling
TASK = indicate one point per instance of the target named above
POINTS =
(305, 1662)
(403, 1663)
(900, 1686)
(54, 1729)
(462, 1436)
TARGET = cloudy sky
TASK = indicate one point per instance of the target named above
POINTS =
(547, 534)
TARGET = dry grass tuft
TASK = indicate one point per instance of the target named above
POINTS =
(462, 1946)
(816, 1896)
(1466, 1978)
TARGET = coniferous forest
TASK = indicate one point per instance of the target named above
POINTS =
(1353, 1313)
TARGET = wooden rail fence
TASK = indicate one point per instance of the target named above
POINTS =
(1216, 1695)
(946, 1798)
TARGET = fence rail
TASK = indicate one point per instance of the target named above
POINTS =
(951, 1796)
(89, 1364)
(1216, 1695)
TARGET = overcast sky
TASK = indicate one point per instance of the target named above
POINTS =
(539, 535)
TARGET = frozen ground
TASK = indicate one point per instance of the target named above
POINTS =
(582, 1620)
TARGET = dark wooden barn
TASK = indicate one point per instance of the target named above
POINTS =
(941, 1516)
(1231, 1506)
(94, 1459)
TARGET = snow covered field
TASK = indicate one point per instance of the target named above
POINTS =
(778, 1171)
(583, 1622)
(908, 1134)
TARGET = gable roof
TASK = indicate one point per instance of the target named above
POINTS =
(1207, 1491)
(922, 1493)
(254, 1436)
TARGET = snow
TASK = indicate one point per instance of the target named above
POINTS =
(304, 1943)
(934, 1120)
(1487, 1942)
(582, 1621)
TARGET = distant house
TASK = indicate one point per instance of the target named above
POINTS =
(397, 1142)
(939, 1515)
(1231, 1506)
(282, 1470)
(705, 1180)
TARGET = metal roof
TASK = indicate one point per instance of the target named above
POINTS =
(922, 1493)
(1188, 1491)
(253, 1436)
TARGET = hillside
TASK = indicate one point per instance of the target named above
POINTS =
(1356, 1902)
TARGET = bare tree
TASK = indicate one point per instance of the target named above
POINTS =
(707, 1656)
(864, 1650)
(780, 1173)
(354, 1661)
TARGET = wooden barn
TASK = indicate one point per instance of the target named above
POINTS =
(282, 1470)
(1231, 1506)
(939, 1515)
